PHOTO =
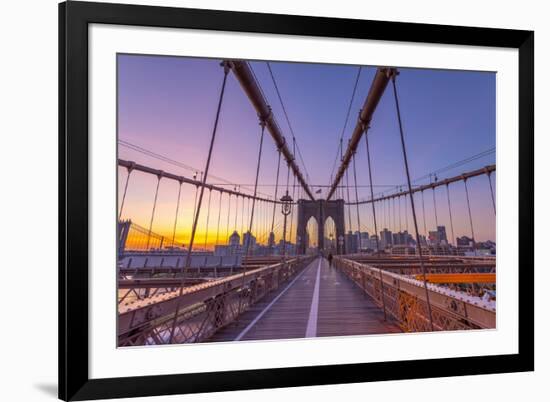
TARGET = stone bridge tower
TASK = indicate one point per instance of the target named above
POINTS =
(321, 210)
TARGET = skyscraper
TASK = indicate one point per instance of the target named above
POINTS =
(386, 238)
(249, 241)
(351, 243)
(234, 243)
(442, 234)
(364, 240)
(234, 239)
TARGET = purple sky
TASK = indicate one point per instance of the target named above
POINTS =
(167, 105)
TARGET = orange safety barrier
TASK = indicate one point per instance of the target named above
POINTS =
(459, 278)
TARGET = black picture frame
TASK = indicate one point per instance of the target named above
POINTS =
(74, 18)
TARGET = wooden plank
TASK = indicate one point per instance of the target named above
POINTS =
(286, 319)
(343, 309)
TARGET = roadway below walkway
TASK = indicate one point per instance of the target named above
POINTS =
(319, 301)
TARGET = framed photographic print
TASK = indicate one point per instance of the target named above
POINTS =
(257, 201)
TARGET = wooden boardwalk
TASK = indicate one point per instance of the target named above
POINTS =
(319, 301)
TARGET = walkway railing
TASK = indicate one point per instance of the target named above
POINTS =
(404, 299)
(201, 310)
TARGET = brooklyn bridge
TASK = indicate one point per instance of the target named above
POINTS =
(295, 259)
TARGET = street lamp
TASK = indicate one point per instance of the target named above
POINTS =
(286, 208)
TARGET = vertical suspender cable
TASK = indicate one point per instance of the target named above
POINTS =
(284, 225)
(394, 218)
(292, 211)
(207, 219)
(126, 189)
(153, 213)
(276, 189)
(365, 127)
(419, 247)
(247, 247)
(371, 188)
(242, 217)
(399, 209)
(450, 214)
(219, 216)
(347, 188)
(249, 233)
(196, 196)
(177, 212)
(406, 218)
(247, 214)
(424, 215)
(492, 193)
(388, 208)
(469, 213)
(357, 201)
(236, 212)
(194, 207)
(435, 209)
(383, 207)
(293, 193)
(228, 217)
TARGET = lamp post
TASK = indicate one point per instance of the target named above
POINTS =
(286, 208)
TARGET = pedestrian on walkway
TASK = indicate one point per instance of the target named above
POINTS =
(329, 258)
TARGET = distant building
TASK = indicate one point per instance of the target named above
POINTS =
(234, 246)
(423, 242)
(442, 234)
(223, 250)
(386, 238)
(234, 239)
(249, 241)
(396, 240)
(464, 242)
(373, 243)
(402, 239)
(438, 237)
(433, 238)
(351, 243)
(363, 240)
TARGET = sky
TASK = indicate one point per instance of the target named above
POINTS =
(167, 105)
